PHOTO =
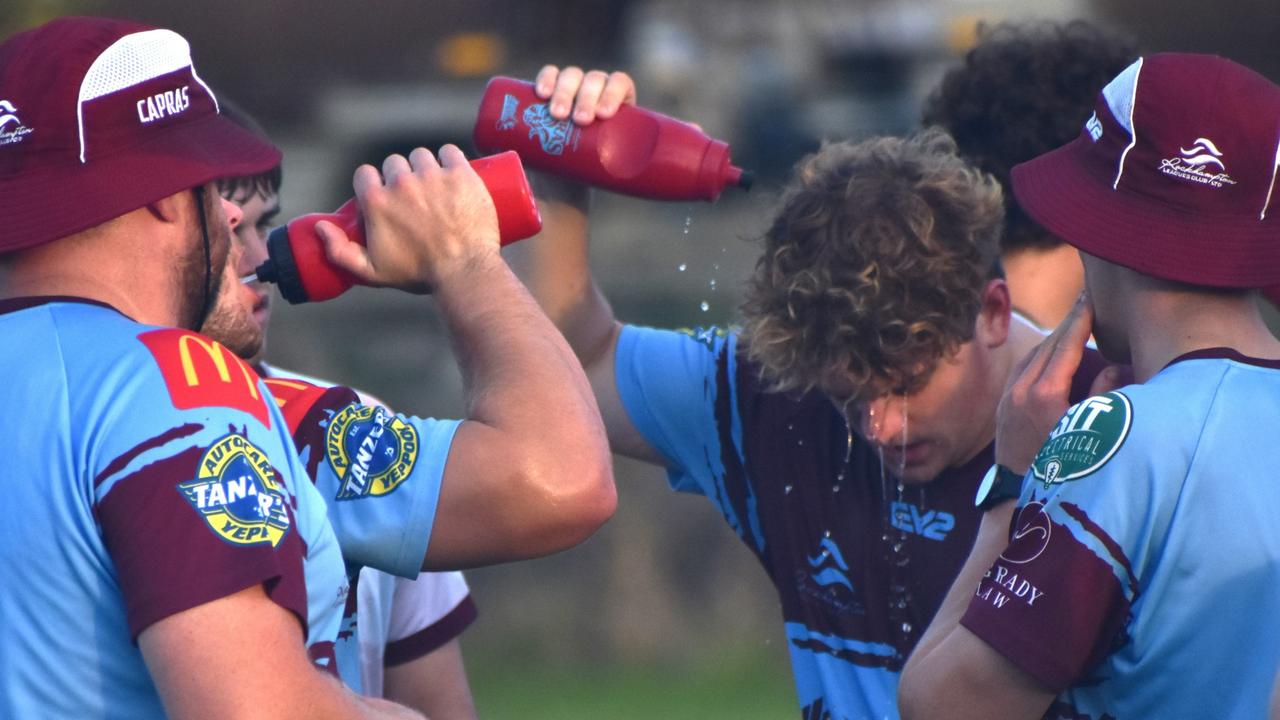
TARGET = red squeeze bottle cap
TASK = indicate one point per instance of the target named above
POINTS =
(296, 260)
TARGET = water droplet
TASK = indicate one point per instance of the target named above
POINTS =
(897, 547)
(787, 489)
(712, 284)
(791, 426)
(716, 266)
(682, 267)
(800, 442)
(705, 306)
(884, 538)
(688, 221)
(835, 488)
(906, 628)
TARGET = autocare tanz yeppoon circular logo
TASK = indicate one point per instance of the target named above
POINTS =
(371, 451)
(1084, 439)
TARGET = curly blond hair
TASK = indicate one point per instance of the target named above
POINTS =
(873, 270)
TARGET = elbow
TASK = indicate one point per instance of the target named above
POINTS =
(568, 504)
(586, 505)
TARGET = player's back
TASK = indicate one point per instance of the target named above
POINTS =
(57, 608)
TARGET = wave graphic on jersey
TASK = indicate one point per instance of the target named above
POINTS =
(834, 573)
(1202, 152)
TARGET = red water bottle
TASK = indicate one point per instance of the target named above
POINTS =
(636, 152)
(296, 262)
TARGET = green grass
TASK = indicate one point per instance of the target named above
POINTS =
(507, 692)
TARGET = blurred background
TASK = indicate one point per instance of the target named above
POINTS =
(661, 614)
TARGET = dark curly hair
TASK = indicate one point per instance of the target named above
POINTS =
(874, 268)
(264, 184)
(1023, 90)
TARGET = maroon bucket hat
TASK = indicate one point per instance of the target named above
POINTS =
(1174, 174)
(99, 117)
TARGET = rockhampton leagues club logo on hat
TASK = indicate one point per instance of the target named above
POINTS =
(1174, 174)
(98, 118)
(11, 128)
(1201, 163)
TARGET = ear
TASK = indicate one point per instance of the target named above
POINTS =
(992, 327)
(174, 208)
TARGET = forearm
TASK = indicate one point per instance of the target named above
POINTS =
(532, 463)
(555, 267)
(519, 374)
(435, 684)
(992, 539)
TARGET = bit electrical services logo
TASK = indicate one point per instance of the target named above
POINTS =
(236, 493)
(1086, 437)
(370, 450)
(12, 130)
(1201, 163)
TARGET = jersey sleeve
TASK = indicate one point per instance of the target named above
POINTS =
(1093, 508)
(379, 472)
(426, 613)
(676, 390)
(191, 486)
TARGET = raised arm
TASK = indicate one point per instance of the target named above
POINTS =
(528, 472)
(555, 265)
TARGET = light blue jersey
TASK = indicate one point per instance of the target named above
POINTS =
(381, 475)
(1142, 579)
(860, 568)
(147, 472)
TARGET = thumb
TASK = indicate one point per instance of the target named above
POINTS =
(344, 254)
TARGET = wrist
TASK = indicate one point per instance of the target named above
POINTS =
(998, 486)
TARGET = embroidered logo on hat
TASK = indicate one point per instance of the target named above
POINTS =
(11, 128)
(1196, 163)
(1094, 126)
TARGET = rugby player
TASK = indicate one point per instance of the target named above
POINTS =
(167, 555)
(408, 628)
(843, 432)
(1135, 574)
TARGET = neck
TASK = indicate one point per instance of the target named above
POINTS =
(1044, 283)
(104, 264)
(1165, 325)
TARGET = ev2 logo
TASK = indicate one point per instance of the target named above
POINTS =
(933, 524)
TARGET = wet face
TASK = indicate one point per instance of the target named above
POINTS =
(240, 319)
(941, 425)
(951, 417)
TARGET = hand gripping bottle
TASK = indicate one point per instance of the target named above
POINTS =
(295, 253)
(636, 152)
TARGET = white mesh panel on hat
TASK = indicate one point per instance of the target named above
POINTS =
(135, 59)
(1121, 94)
(132, 60)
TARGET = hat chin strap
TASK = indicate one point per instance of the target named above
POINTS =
(207, 305)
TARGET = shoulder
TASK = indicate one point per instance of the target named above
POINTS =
(710, 341)
(1134, 430)
(199, 372)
